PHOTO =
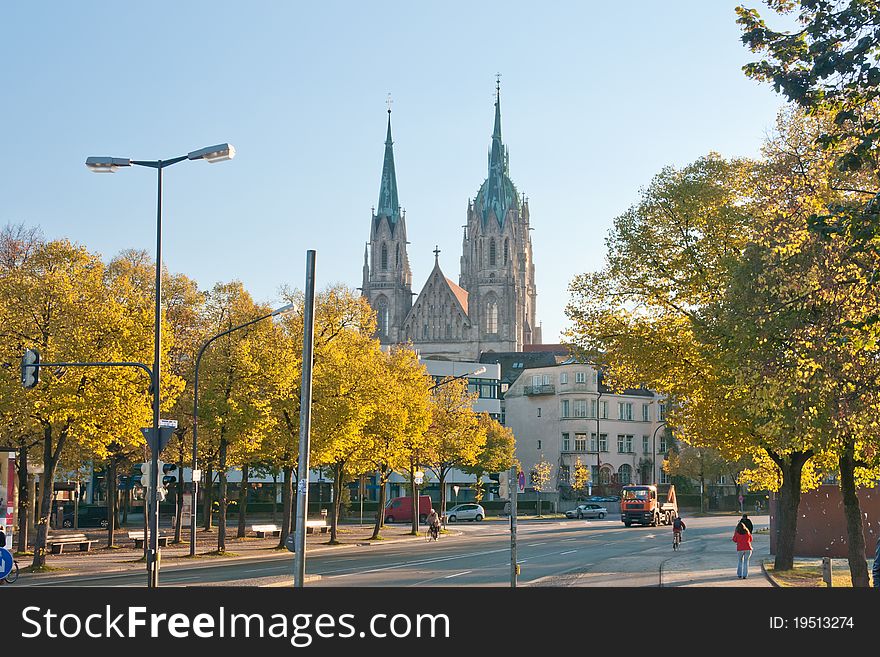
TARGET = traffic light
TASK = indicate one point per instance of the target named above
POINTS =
(145, 472)
(169, 478)
(30, 368)
(494, 483)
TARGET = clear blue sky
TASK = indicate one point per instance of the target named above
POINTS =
(596, 98)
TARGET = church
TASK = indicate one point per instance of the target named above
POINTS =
(492, 307)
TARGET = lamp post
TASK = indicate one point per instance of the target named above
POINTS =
(216, 153)
(654, 455)
(598, 413)
(284, 310)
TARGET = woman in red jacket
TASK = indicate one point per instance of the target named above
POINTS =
(743, 539)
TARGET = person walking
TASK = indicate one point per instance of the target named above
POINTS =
(747, 522)
(743, 539)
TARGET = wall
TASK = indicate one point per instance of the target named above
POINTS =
(821, 529)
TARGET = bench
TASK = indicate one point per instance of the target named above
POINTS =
(138, 538)
(56, 544)
(316, 525)
(266, 530)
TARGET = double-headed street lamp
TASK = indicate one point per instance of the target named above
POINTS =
(284, 310)
(216, 153)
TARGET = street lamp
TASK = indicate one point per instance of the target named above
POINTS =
(284, 310)
(216, 153)
(654, 455)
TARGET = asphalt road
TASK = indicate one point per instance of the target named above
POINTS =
(550, 553)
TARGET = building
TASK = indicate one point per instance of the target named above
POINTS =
(563, 413)
(492, 307)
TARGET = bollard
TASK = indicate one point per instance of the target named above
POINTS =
(826, 571)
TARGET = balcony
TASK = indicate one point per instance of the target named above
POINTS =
(548, 389)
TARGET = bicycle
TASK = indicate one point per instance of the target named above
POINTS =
(432, 534)
(676, 540)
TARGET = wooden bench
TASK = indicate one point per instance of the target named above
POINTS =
(138, 538)
(266, 530)
(56, 544)
(317, 525)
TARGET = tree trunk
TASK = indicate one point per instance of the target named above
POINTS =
(381, 478)
(274, 496)
(337, 500)
(855, 536)
(47, 490)
(221, 515)
(242, 500)
(208, 498)
(789, 497)
(112, 464)
(23, 498)
(286, 503)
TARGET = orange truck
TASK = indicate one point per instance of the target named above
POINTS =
(642, 504)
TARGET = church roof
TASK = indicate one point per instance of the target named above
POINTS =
(460, 294)
(388, 207)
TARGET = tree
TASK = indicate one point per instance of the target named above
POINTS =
(498, 453)
(540, 477)
(455, 437)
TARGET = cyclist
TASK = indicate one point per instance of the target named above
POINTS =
(678, 526)
(434, 524)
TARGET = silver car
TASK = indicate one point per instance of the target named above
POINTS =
(589, 510)
(473, 512)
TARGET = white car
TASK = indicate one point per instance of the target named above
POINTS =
(473, 512)
(588, 510)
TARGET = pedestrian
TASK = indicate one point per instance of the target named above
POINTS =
(876, 570)
(747, 522)
(743, 539)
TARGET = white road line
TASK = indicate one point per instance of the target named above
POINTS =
(568, 552)
(465, 572)
(535, 544)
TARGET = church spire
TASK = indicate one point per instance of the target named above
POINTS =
(389, 206)
(497, 197)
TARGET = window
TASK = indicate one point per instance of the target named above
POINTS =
(592, 412)
(661, 449)
(506, 250)
(492, 253)
(384, 256)
(397, 256)
(646, 448)
(545, 380)
(580, 442)
(625, 410)
(580, 377)
(595, 377)
(661, 412)
(492, 316)
(566, 444)
(646, 412)
(563, 377)
(624, 474)
(594, 473)
(580, 408)
(664, 476)
(424, 331)
(536, 380)
(539, 411)
(603, 442)
(539, 444)
(603, 410)
(564, 476)
(565, 408)
(624, 443)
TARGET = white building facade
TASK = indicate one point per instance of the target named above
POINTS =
(563, 414)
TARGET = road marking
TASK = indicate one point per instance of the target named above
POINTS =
(568, 552)
(465, 572)
(535, 544)
(255, 570)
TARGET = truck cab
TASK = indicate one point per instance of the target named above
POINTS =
(641, 504)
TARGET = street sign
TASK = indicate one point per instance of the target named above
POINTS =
(521, 477)
(290, 542)
(165, 434)
(168, 423)
(5, 562)
(418, 477)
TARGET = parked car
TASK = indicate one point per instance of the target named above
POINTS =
(473, 512)
(89, 516)
(399, 509)
(588, 510)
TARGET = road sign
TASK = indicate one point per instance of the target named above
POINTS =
(290, 542)
(168, 423)
(521, 477)
(165, 434)
(418, 477)
(5, 562)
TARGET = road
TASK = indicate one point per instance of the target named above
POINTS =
(551, 553)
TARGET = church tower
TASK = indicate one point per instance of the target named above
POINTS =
(387, 281)
(497, 269)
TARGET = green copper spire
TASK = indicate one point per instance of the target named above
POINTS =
(498, 193)
(388, 204)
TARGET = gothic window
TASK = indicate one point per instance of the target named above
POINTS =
(492, 253)
(397, 257)
(448, 332)
(384, 257)
(424, 331)
(506, 249)
(382, 315)
(492, 316)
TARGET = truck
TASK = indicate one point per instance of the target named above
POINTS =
(642, 504)
(399, 509)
